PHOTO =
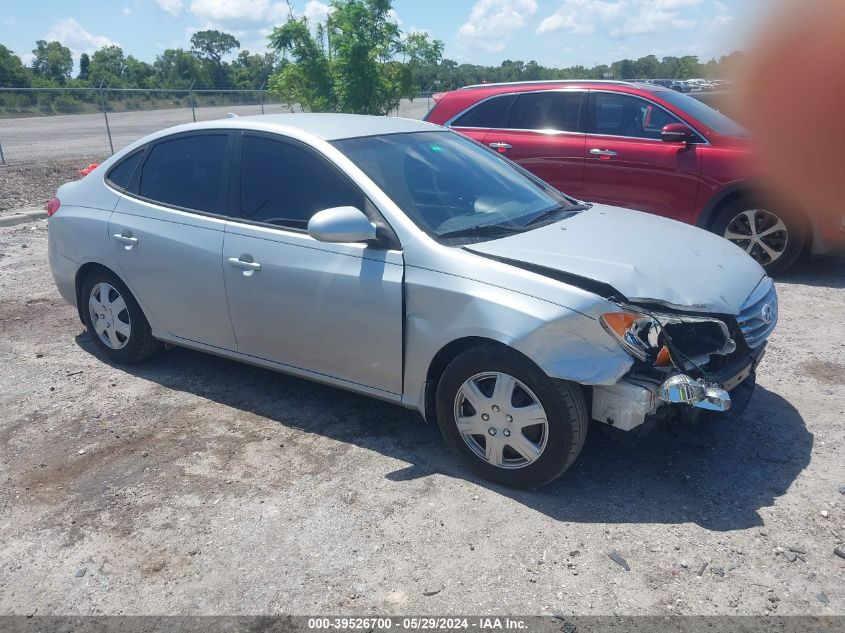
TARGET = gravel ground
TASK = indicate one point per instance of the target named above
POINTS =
(192, 484)
(33, 185)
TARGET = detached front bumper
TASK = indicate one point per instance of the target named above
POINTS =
(631, 401)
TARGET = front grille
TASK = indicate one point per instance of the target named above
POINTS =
(759, 314)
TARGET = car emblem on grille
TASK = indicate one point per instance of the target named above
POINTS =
(768, 313)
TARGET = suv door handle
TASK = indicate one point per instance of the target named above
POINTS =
(501, 147)
(126, 239)
(244, 264)
(602, 152)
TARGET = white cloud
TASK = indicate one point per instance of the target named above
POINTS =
(317, 12)
(10, 22)
(71, 34)
(579, 17)
(126, 11)
(239, 11)
(173, 7)
(723, 17)
(620, 18)
(491, 23)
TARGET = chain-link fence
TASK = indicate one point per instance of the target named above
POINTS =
(50, 124)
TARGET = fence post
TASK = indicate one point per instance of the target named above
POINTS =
(2, 158)
(105, 114)
(191, 99)
(261, 92)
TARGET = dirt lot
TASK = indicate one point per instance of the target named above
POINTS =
(192, 484)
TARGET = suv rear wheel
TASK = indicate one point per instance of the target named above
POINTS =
(773, 238)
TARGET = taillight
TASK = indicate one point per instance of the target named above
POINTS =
(52, 206)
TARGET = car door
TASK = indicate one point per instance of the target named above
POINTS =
(626, 163)
(543, 136)
(167, 230)
(329, 309)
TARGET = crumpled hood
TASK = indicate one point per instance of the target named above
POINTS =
(647, 258)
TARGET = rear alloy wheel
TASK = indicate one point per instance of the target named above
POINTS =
(114, 319)
(775, 240)
(508, 420)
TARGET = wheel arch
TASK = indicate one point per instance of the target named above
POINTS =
(81, 274)
(446, 355)
(754, 190)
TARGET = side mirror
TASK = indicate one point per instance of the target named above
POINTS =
(677, 133)
(341, 224)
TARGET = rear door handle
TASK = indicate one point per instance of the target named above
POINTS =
(244, 264)
(501, 146)
(126, 239)
(602, 152)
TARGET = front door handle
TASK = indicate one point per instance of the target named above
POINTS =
(602, 152)
(501, 147)
(126, 239)
(246, 265)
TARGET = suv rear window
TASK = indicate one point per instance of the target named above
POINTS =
(548, 110)
(492, 113)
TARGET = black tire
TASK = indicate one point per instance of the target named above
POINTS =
(140, 344)
(564, 404)
(790, 243)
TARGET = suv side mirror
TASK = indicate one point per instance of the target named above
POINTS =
(677, 133)
(341, 224)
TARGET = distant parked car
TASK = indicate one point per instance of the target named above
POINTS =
(406, 262)
(643, 147)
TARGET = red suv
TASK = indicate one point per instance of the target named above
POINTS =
(645, 147)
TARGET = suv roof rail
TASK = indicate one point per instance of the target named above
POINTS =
(551, 81)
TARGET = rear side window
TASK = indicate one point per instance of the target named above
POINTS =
(121, 174)
(492, 113)
(285, 184)
(187, 172)
(547, 110)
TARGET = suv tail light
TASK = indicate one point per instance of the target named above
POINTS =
(52, 206)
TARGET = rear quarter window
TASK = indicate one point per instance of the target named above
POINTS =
(120, 175)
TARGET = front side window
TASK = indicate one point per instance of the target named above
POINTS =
(453, 188)
(492, 113)
(285, 184)
(625, 115)
(187, 172)
(548, 110)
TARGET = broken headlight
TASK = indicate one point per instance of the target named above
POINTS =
(664, 339)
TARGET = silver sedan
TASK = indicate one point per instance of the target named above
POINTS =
(403, 261)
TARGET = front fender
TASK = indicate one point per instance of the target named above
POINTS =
(564, 343)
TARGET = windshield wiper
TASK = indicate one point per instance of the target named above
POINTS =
(545, 215)
(482, 229)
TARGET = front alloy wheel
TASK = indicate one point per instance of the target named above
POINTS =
(773, 237)
(762, 234)
(508, 420)
(501, 420)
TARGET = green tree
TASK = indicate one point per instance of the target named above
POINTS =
(211, 46)
(84, 65)
(350, 66)
(13, 74)
(52, 61)
(253, 70)
(138, 74)
(108, 67)
(177, 68)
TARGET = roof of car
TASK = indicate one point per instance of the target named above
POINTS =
(332, 127)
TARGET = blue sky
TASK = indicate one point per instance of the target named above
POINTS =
(553, 32)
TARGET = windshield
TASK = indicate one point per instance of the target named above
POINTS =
(453, 188)
(713, 119)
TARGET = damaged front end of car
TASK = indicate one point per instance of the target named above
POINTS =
(684, 363)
